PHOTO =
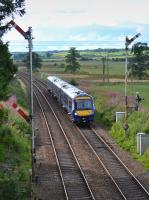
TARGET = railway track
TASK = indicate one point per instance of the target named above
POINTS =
(126, 183)
(73, 179)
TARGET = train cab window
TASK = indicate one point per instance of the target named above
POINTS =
(83, 104)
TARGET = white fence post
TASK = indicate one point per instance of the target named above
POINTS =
(142, 142)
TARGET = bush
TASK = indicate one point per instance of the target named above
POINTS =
(5, 135)
(103, 114)
(20, 93)
(73, 82)
(62, 65)
(3, 116)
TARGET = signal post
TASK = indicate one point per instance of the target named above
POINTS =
(127, 43)
(28, 36)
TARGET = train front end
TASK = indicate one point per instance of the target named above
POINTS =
(84, 109)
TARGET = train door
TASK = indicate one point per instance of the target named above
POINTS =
(69, 105)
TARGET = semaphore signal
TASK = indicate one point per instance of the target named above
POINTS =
(26, 34)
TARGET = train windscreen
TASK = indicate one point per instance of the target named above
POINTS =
(83, 104)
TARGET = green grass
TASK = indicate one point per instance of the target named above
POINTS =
(138, 122)
(132, 88)
(116, 69)
(93, 68)
(15, 158)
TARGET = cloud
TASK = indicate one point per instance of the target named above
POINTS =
(84, 20)
(70, 13)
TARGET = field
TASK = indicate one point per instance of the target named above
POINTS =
(132, 88)
(92, 70)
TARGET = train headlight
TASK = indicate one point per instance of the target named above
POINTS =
(75, 113)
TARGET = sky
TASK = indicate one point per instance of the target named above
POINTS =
(84, 24)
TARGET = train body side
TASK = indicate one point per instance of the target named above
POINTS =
(78, 104)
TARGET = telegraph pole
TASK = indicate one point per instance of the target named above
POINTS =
(107, 63)
(31, 86)
(103, 69)
(30, 38)
(127, 43)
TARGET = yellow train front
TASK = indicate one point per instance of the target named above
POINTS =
(83, 109)
(76, 102)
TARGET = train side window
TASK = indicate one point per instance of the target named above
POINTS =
(70, 105)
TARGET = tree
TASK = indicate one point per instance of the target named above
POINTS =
(140, 62)
(72, 64)
(48, 54)
(9, 9)
(7, 68)
(36, 61)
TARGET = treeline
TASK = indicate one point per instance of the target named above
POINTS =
(108, 50)
(47, 54)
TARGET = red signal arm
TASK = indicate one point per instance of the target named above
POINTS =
(18, 28)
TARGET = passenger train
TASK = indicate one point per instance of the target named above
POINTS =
(78, 104)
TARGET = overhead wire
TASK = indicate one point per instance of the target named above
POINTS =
(63, 44)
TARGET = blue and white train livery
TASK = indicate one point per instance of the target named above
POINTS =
(78, 104)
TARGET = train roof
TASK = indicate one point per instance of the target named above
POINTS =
(67, 88)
